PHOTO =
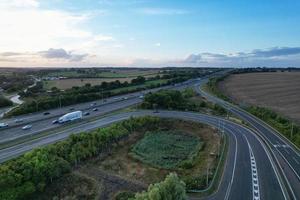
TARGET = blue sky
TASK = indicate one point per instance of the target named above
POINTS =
(149, 33)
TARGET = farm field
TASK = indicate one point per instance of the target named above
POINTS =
(278, 91)
(71, 82)
(113, 73)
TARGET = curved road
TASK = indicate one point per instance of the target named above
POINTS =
(284, 153)
(249, 172)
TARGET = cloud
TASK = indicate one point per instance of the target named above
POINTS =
(62, 54)
(9, 54)
(157, 44)
(276, 56)
(19, 4)
(276, 51)
(121, 2)
(161, 11)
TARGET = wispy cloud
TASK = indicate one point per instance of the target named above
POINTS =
(161, 11)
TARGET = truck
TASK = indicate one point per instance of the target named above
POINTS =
(70, 117)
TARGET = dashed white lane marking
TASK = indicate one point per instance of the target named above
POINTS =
(255, 183)
(296, 160)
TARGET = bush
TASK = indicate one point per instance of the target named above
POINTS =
(172, 188)
(4, 102)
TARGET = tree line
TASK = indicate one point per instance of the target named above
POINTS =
(282, 124)
(22, 177)
(56, 98)
(176, 100)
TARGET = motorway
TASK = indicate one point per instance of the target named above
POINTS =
(250, 173)
(284, 153)
(42, 123)
(251, 170)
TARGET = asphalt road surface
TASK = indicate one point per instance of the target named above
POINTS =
(41, 122)
(249, 172)
(285, 153)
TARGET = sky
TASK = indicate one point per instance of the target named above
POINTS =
(149, 33)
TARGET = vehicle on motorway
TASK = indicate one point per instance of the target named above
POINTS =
(70, 117)
(93, 104)
(141, 97)
(95, 109)
(125, 98)
(46, 113)
(18, 120)
(86, 113)
(26, 127)
(3, 125)
(55, 121)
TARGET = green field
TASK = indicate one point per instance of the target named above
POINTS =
(117, 73)
(166, 149)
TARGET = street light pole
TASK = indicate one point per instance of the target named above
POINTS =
(292, 130)
(207, 173)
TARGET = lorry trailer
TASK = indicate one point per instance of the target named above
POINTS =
(70, 117)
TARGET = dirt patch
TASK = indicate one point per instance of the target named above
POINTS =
(120, 163)
(115, 171)
(67, 187)
(279, 91)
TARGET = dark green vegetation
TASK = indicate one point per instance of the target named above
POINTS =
(49, 171)
(172, 188)
(40, 99)
(167, 149)
(142, 166)
(31, 173)
(15, 82)
(44, 100)
(186, 100)
(4, 102)
(283, 125)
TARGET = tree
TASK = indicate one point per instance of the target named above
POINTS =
(172, 188)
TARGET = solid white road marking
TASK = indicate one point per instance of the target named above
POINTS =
(235, 157)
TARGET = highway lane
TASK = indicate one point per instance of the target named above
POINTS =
(41, 122)
(286, 153)
(246, 155)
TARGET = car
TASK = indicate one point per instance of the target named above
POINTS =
(93, 104)
(95, 109)
(46, 113)
(141, 97)
(86, 113)
(125, 98)
(3, 125)
(28, 126)
(18, 120)
(55, 121)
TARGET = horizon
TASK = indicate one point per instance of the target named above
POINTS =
(149, 33)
